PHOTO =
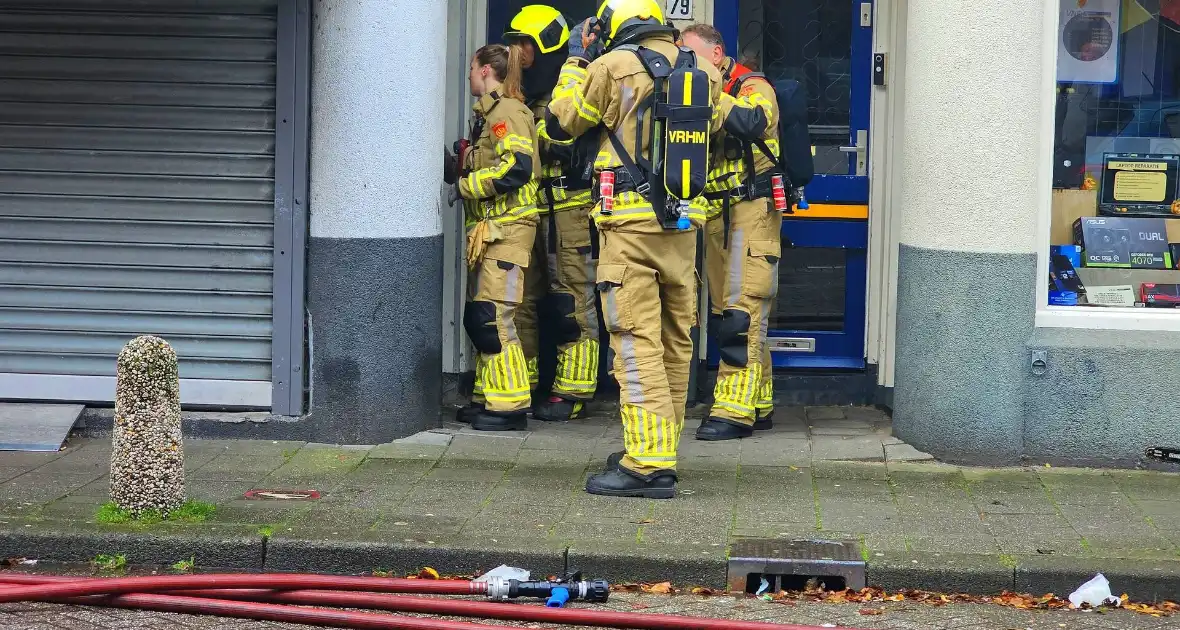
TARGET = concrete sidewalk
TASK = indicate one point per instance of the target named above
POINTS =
(460, 501)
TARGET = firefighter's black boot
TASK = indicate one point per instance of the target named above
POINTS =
(492, 421)
(467, 413)
(558, 409)
(613, 460)
(716, 430)
(622, 482)
(764, 422)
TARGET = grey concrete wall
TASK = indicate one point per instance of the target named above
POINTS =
(375, 253)
(1104, 397)
(963, 320)
(377, 340)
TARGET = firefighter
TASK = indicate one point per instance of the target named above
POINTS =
(496, 176)
(564, 237)
(742, 247)
(646, 271)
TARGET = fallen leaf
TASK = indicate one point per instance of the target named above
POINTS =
(703, 591)
(428, 573)
(646, 521)
(663, 588)
(871, 611)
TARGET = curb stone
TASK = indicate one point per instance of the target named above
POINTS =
(1142, 579)
(229, 548)
(243, 549)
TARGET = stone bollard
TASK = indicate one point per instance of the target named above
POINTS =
(147, 459)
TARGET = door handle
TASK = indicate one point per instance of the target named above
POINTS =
(860, 149)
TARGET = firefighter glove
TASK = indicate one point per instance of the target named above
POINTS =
(450, 167)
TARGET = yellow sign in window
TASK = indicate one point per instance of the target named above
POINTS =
(1138, 166)
(1140, 186)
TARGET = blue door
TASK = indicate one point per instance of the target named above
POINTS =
(825, 45)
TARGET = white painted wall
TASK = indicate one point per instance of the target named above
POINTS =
(973, 117)
(378, 85)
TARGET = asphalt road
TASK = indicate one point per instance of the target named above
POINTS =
(896, 616)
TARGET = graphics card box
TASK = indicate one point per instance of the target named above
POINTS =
(1062, 273)
(1072, 253)
(1160, 295)
(1127, 242)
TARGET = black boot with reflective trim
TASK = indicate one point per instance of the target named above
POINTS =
(717, 429)
(558, 409)
(492, 421)
(764, 422)
(621, 482)
(467, 413)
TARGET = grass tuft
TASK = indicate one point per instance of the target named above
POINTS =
(185, 566)
(110, 563)
(191, 512)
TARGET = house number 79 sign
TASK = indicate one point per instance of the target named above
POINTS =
(679, 9)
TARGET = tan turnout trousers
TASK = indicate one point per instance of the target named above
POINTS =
(648, 285)
(572, 276)
(501, 378)
(535, 281)
(743, 283)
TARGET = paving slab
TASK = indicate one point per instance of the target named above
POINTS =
(851, 448)
(36, 427)
(397, 450)
(815, 414)
(898, 451)
(765, 451)
(1034, 534)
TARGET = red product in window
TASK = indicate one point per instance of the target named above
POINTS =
(1160, 295)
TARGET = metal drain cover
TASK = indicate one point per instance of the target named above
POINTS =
(261, 494)
(799, 557)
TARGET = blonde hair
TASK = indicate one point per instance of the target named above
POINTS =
(507, 63)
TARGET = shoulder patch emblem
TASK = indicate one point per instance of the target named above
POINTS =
(500, 129)
(746, 90)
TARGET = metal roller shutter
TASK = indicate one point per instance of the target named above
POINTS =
(137, 193)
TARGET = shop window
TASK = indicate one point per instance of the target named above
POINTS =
(1115, 227)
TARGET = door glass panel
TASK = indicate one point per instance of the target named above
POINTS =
(808, 41)
(810, 290)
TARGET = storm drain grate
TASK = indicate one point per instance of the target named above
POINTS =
(788, 564)
(261, 494)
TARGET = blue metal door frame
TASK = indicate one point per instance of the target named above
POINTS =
(843, 349)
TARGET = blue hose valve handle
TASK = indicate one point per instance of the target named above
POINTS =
(802, 200)
(558, 597)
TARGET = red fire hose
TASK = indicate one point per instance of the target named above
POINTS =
(279, 581)
(193, 601)
(273, 612)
